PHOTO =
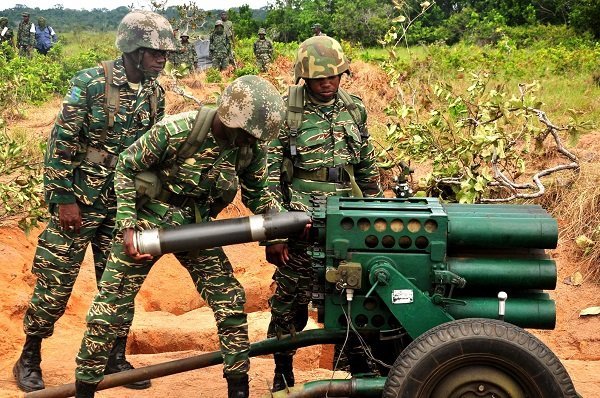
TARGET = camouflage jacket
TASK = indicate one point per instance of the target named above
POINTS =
(6, 34)
(185, 53)
(26, 34)
(79, 126)
(263, 49)
(219, 44)
(328, 137)
(206, 176)
(228, 29)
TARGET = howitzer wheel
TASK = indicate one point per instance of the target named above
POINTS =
(472, 358)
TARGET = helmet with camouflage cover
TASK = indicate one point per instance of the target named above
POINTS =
(218, 22)
(254, 105)
(318, 57)
(262, 31)
(145, 29)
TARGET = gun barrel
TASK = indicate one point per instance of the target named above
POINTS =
(220, 233)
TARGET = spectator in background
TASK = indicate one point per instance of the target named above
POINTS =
(220, 47)
(6, 33)
(45, 37)
(25, 36)
(263, 51)
(317, 30)
(228, 29)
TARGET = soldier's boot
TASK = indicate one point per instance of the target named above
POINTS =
(237, 386)
(118, 363)
(27, 370)
(284, 373)
(84, 390)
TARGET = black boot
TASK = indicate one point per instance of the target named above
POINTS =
(117, 363)
(237, 386)
(84, 390)
(27, 371)
(284, 373)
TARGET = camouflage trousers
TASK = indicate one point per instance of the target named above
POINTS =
(262, 62)
(220, 61)
(289, 303)
(57, 262)
(112, 308)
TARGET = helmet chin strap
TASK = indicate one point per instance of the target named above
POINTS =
(148, 74)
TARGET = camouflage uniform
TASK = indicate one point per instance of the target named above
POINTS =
(211, 174)
(25, 37)
(79, 163)
(6, 33)
(263, 50)
(220, 47)
(185, 53)
(328, 142)
(228, 29)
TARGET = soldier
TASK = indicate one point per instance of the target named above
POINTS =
(95, 124)
(25, 36)
(196, 184)
(185, 54)
(317, 30)
(325, 149)
(228, 28)
(219, 47)
(45, 36)
(263, 51)
(6, 33)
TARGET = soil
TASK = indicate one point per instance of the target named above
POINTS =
(172, 322)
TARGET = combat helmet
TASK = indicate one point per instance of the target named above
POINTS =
(262, 31)
(145, 29)
(218, 22)
(254, 105)
(318, 57)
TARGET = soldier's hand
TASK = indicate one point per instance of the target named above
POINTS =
(277, 254)
(69, 217)
(130, 249)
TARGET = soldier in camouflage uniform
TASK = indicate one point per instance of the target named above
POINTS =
(185, 54)
(220, 47)
(193, 189)
(82, 153)
(329, 154)
(263, 51)
(316, 28)
(228, 29)
(25, 36)
(6, 33)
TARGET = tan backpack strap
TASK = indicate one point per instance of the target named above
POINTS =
(201, 127)
(111, 98)
(295, 111)
(154, 105)
(354, 112)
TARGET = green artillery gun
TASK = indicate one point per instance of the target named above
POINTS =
(439, 293)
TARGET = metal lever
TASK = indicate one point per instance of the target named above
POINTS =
(502, 296)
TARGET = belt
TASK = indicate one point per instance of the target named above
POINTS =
(100, 156)
(324, 174)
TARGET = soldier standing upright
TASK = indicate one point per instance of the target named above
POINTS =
(325, 149)
(106, 109)
(263, 51)
(25, 35)
(219, 47)
(45, 37)
(185, 53)
(197, 182)
(316, 28)
(228, 28)
(6, 33)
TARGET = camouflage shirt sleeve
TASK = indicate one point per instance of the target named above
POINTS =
(274, 161)
(253, 180)
(63, 144)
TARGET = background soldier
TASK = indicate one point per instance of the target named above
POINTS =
(185, 54)
(25, 36)
(79, 168)
(6, 33)
(219, 47)
(329, 154)
(228, 28)
(45, 36)
(195, 186)
(317, 30)
(263, 51)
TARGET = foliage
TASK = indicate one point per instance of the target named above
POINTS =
(21, 182)
(213, 75)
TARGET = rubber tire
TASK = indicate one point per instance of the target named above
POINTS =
(436, 358)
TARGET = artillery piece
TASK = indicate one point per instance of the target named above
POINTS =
(439, 292)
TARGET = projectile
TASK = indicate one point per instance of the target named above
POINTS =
(221, 233)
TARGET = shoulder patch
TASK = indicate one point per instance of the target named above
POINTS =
(74, 94)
